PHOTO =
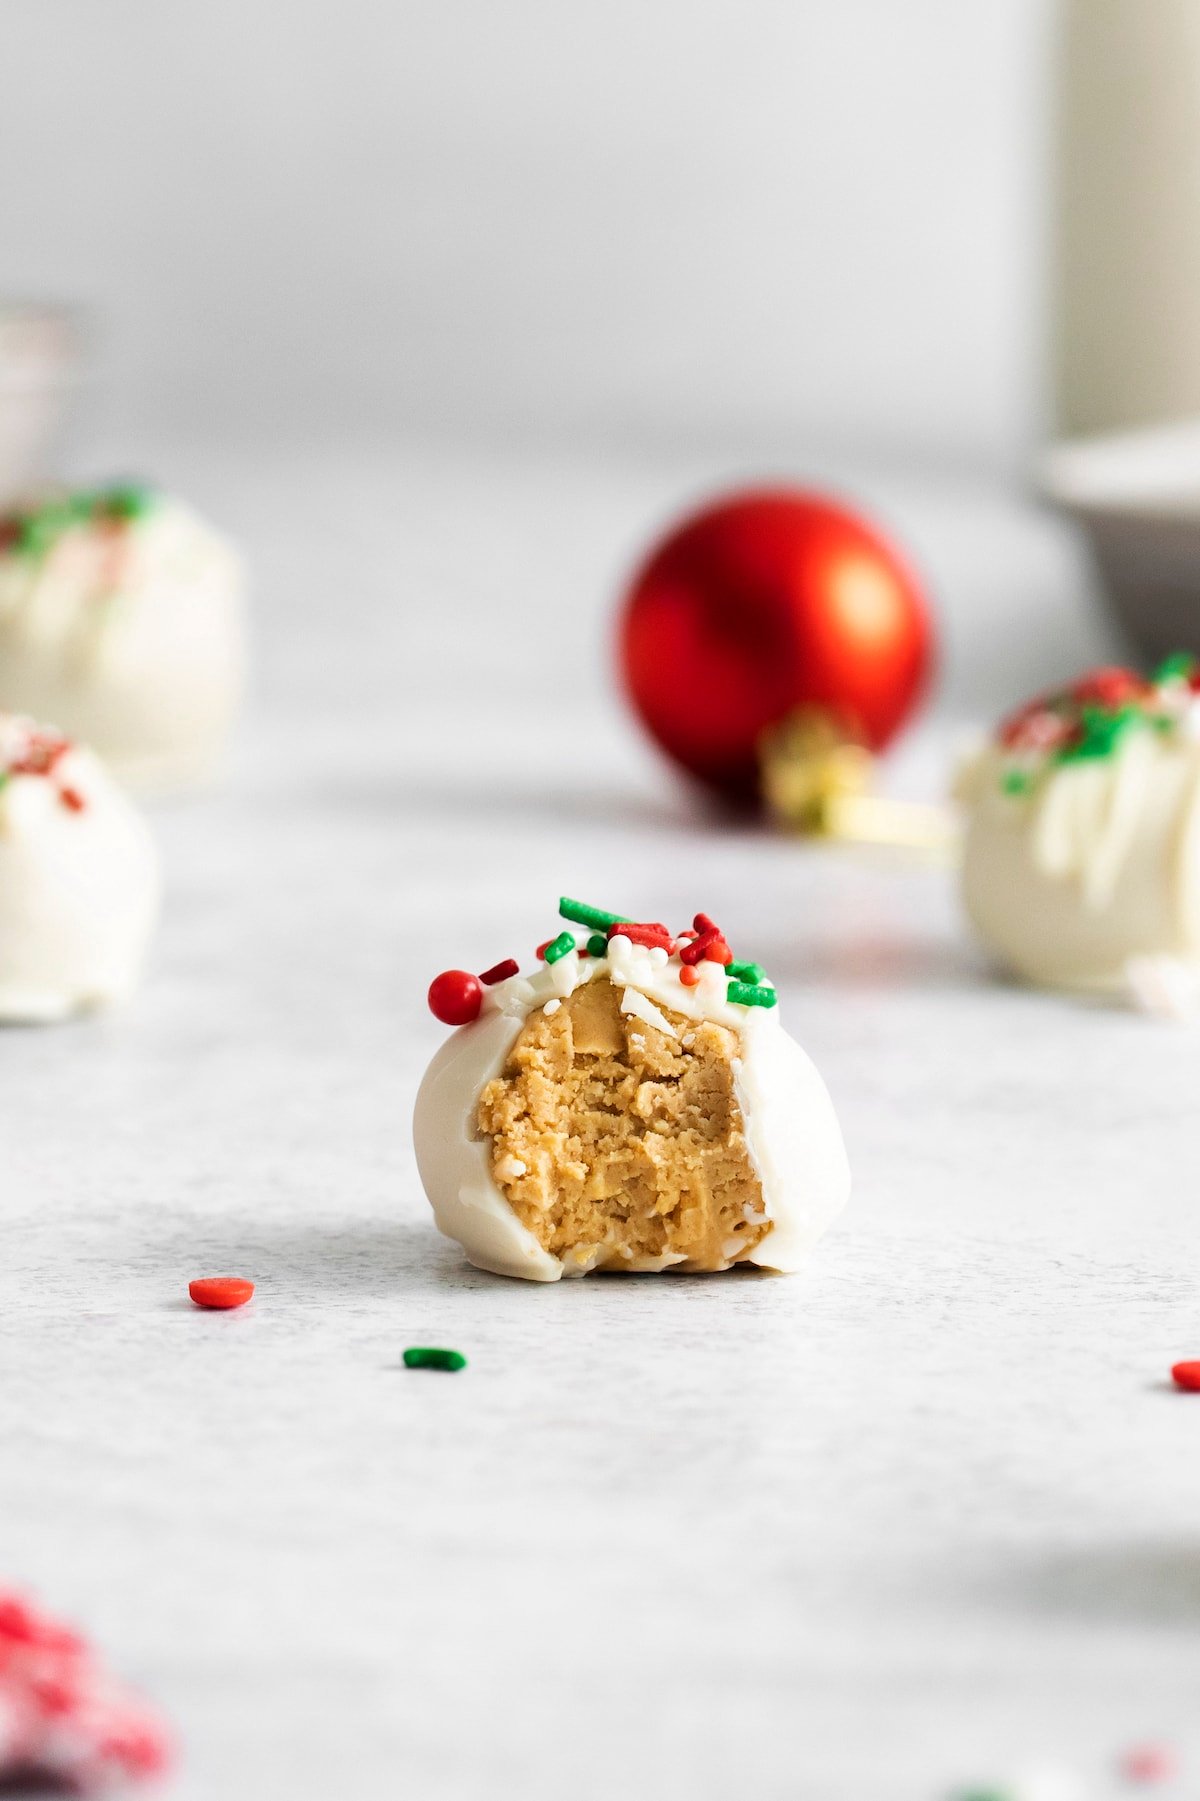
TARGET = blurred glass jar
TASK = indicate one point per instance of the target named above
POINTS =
(1127, 238)
(39, 352)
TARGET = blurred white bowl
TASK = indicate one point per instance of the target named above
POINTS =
(1137, 496)
(39, 351)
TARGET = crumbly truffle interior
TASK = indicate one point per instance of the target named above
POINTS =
(618, 1144)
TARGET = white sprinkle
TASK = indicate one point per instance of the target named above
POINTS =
(689, 1039)
(634, 1001)
(620, 944)
(509, 1169)
(658, 956)
(552, 1006)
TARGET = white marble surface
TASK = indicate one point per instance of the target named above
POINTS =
(920, 1515)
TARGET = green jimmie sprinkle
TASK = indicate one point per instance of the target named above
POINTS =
(582, 915)
(745, 994)
(427, 1357)
(746, 972)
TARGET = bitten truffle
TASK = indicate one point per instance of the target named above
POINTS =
(633, 1104)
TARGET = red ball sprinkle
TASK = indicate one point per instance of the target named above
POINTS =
(455, 997)
(1187, 1375)
(1148, 1763)
(500, 972)
(689, 976)
(221, 1292)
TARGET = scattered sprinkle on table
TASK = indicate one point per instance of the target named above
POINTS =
(221, 1292)
(425, 1357)
(1187, 1375)
(1148, 1763)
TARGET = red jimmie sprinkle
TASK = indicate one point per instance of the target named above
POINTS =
(221, 1292)
(1187, 1375)
(647, 932)
(704, 924)
(710, 947)
(71, 797)
(500, 972)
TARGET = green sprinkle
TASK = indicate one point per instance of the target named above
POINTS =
(126, 500)
(746, 994)
(746, 972)
(562, 945)
(597, 945)
(1016, 781)
(1173, 668)
(582, 915)
(424, 1357)
(1100, 732)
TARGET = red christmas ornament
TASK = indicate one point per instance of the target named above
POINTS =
(763, 605)
(455, 997)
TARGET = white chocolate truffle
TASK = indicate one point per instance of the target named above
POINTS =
(122, 619)
(1082, 848)
(79, 879)
(768, 1183)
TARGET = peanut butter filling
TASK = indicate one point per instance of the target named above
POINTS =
(619, 1145)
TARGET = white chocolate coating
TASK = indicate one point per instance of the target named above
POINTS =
(132, 638)
(1097, 865)
(792, 1133)
(79, 883)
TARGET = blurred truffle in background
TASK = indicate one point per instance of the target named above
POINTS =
(121, 620)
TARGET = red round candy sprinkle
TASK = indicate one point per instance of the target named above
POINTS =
(455, 997)
(689, 976)
(500, 972)
(220, 1292)
(1187, 1375)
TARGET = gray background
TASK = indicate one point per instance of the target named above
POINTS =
(760, 225)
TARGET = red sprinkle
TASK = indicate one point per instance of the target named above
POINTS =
(647, 932)
(500, 972)
(1187, 1375)
(704, 924)
(1148, 1763)
(689, 976)
(1108, 687)
(71, 797)
(710, 947)
(221, 1291)
(455, 997)
(543, 947)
